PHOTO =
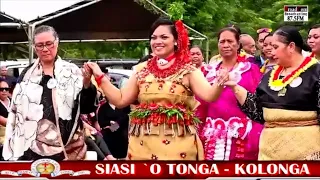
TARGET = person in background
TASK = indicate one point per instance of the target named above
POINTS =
(248, 44)
(286, 101)
(43, 121)
(94, 138)
(113, 124)
(218, 56)
(196, 56)
(262, 33)
(267, 50)
(314, 41)
(4, 110)
(11, 80)
(227, 133)
(241, 51)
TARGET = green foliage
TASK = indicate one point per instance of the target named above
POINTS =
(205, 16)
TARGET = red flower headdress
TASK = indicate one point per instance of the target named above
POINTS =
(183, 42)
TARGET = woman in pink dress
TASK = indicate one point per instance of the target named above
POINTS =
(227, 133)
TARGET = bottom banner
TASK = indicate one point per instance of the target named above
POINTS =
(159, 169)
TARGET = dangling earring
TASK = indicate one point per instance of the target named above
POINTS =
(175, 46)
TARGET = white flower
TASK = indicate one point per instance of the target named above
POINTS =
(67, 72)
(34, 91)
(35, 112)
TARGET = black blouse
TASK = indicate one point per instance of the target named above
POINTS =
(305, 97)
(117, 141)
(3, 111)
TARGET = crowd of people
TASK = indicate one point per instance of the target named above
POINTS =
(255, 100)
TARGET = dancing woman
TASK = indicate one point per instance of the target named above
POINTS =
(162, 125)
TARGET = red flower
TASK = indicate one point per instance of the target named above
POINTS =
(183, 155)
(154, 157)
(169, 106)
(142, 82)
(129, 156)
(181, 107)
(166, 142)
(188, 122)
(153, 106)
(143, 105)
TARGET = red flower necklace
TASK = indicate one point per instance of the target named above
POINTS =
(153, 67)
(280, 69)
(275, 83)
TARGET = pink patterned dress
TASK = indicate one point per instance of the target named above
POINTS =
(226, 132)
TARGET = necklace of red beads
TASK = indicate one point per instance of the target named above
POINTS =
(153, 67)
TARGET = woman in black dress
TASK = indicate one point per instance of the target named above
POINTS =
(114, 124)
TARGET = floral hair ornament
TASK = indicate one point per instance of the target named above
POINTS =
(264, 30)
(183, 41)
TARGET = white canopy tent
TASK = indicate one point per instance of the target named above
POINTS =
(35, 12)
(28, 10)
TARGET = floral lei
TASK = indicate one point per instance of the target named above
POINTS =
(276, 84)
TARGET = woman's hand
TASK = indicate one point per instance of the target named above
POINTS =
(86, 73)
(94, 68)
(231, 82)
(222, 76)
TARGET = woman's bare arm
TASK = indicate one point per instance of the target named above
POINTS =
(121, 97)
(202, 88)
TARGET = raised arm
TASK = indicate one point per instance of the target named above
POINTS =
(119, 97)
(202, 88)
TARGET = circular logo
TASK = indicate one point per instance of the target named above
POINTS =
(45, 166)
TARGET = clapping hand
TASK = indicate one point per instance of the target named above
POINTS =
(232, 80)
(87, 73)
(222, 76)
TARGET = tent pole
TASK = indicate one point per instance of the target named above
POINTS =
(207, 50)
(30, 41)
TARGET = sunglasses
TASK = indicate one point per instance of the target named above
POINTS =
(4, 89)
(264, 30)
